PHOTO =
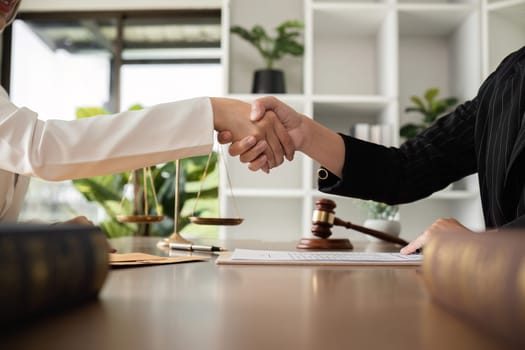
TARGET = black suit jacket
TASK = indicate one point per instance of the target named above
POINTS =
(485, 135)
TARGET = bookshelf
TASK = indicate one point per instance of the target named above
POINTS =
(363, 60)
(502, 19)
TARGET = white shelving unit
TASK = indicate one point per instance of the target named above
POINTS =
(504, 30)
(363, 60)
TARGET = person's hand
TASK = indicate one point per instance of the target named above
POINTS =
(82, 220)
(261, 109)
(440, 225)
(279, 142)
(248, 147)
(268, 142)
(290, 118)
(252, 151)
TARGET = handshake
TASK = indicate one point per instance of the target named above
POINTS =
(274, 131)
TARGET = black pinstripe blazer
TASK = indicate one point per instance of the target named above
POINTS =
(485, 135)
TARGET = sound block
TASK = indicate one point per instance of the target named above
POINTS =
(325, 243)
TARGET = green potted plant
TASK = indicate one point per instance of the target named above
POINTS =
(272, 49)
(430, 108)
(381, 217)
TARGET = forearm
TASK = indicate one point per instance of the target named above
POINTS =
(58, 150)
(323, 145)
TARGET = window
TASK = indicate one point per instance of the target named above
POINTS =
(63, 61)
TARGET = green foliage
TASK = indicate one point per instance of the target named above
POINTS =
(430, 108)
(86, 112)
(274, 48)
(378, 210)
(107, 191)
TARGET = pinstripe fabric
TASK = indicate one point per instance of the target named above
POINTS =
(485, 135)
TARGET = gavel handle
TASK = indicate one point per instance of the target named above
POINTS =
(378, 234)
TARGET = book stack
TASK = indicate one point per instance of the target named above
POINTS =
(376, 133)
(47, 268)
(480, 277)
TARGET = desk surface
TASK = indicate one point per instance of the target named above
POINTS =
(200, 305)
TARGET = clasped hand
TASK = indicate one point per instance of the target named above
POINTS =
(278, 135)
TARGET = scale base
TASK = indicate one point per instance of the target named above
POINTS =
(177, 238)
(325, 244)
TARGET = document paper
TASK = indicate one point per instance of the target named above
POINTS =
(249, 256)
(136, 259)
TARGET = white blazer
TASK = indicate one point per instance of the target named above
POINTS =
(107, 144)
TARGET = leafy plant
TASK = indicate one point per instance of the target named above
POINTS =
(107, 191)
(430, 108)
(274, 48)
(378, 210)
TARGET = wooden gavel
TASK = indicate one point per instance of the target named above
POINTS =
(323, 219)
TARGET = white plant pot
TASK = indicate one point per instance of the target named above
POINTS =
(392, 227)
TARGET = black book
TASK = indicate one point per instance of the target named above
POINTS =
(48, 268)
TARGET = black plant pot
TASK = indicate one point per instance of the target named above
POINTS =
(268, 81)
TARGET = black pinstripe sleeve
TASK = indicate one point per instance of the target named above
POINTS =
(485, 135)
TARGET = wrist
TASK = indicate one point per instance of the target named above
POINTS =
(303, 135)
(232, 115)
(323, 145)
(218, 115)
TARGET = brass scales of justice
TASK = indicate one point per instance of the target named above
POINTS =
(175, 237)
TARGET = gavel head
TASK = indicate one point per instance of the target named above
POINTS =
(323, 218)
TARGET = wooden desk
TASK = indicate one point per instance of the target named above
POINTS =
(200, 305)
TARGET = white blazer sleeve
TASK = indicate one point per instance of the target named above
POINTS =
(59, 150)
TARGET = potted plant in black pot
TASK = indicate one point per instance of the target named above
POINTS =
(272, 49)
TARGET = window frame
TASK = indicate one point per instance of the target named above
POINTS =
(117, 61)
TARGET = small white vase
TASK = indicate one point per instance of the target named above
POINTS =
(392, 227)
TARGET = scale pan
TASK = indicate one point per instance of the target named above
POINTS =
(216, 221)
(139, 218)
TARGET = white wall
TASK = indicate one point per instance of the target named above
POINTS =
(98, 5)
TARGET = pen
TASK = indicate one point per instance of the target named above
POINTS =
(188, 246)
